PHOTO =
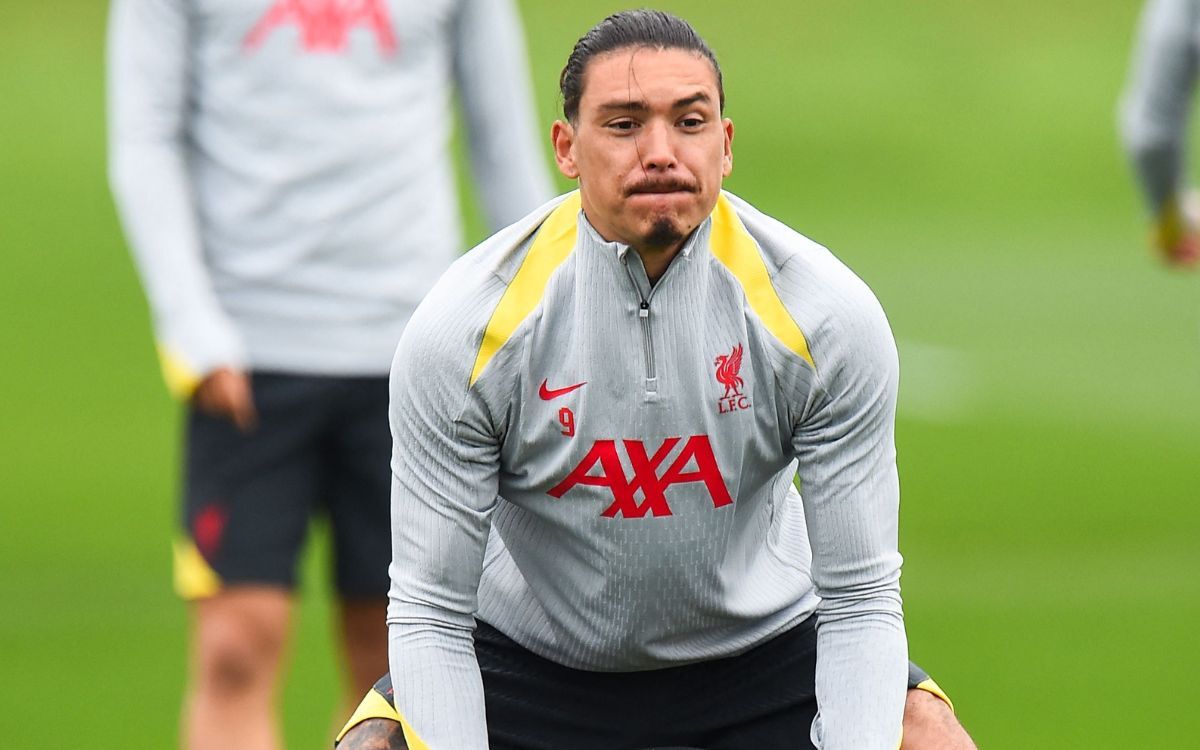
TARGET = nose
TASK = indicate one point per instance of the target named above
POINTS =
(657, 148)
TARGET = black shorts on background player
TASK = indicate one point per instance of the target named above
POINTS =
(322, 444)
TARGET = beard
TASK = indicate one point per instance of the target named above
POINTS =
(664, 232)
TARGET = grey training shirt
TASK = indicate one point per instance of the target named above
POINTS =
(281, 167)
(602, 469)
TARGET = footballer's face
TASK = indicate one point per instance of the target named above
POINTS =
(648, 146)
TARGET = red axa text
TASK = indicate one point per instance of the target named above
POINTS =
(325, 25)
(694, 462)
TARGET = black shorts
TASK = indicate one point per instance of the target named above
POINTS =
(322, 445)
(759, 700)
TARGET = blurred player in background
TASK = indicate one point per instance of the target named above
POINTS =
(1154, 123)
(282, 172)
(597, 417)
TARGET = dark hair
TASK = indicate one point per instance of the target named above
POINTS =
(630, 28)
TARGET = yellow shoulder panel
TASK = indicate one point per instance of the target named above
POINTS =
(554, 242)
(737, 250)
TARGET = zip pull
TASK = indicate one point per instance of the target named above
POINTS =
(648, 347)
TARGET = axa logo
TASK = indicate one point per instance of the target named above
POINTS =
(729, 367)
(693, 462)
(325, 25)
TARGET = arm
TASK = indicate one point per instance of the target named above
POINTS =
(1154, 111)
(148, 50)
(444, 486)
(847, 464)
(492, 73)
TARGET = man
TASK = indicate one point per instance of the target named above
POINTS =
(282, 171)
(1154, 123)
(597, 416)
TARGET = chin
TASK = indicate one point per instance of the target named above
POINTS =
(664, 231)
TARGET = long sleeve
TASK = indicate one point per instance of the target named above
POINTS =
(445, 478)
(148, 52)
(844, 441)
(1157, 99)
(492, 73)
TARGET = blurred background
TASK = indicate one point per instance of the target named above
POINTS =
(960, 156)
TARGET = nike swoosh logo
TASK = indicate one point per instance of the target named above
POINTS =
(552, 393)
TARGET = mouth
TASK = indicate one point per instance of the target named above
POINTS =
(660, 188)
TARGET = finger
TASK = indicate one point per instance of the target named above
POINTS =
(208, 397)
(241, 405)
(224, 394)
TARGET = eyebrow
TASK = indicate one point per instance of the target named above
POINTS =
(638, 105)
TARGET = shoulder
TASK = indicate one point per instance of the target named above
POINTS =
(834, 310)
(474, 308)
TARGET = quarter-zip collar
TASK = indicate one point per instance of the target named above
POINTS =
(696, 243)
(635, 271)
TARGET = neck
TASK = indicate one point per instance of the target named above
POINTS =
(656, 259)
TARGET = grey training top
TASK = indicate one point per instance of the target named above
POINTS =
(1158, 96)
(281, 167)
(602, 469)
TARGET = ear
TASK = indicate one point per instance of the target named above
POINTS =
(562, 137)
(727, 160)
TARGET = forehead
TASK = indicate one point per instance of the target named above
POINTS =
(646, 74)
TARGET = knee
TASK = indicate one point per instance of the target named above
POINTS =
(237, 660)
(929, 724)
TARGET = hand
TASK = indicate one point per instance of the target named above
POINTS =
(1176, 234)
(1185, 253)
(225, 393)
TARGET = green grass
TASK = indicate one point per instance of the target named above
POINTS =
(960, 156)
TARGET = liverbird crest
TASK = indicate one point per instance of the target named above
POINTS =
(728, 366)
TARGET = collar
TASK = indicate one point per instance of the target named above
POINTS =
(698, 238)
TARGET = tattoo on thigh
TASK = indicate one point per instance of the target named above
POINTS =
(374, 734)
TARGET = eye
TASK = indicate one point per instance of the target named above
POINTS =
(692, 121)
(622, 125)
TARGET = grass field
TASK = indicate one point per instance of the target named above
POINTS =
(960, 156)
